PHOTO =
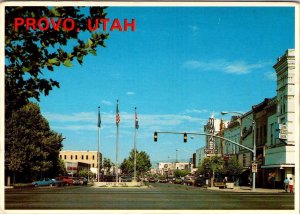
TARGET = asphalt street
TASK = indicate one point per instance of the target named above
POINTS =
(156, 197)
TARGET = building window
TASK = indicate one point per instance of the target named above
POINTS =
(65, 157)
(93, 157)
(75, 157)
(86, 157)
(271, 134)
(82, 157)
(93, 164)
(71, 157)
(60, 156)
(244, 159)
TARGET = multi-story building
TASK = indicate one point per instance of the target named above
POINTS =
(72, 158)
(212, 128)
(280, 153)
(169, 168)
(260, 115)
(232, 132)
(200, 155)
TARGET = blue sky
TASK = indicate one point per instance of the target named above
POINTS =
(180, 66)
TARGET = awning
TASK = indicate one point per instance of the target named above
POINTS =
(279, 166)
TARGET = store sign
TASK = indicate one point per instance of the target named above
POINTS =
(254, 167)
(246, 132)
(281, 131)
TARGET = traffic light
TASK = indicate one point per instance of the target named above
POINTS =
(184, 137)
(155, 136)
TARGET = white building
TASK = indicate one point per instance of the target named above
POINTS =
(280, 153)
(169, 168)
(212, 128)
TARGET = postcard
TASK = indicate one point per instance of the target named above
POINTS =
(173, 107)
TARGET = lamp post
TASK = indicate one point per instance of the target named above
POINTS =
(254, 142)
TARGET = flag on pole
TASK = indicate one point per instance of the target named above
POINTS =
(117, 114)
(136, 120)
(99, 118)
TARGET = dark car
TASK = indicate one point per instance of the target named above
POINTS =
(126, 178)
(83, 181)
(200, 181)
(151, 180)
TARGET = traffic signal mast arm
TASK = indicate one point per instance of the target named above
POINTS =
(193, 133)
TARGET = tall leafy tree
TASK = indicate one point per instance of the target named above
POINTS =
(31, 147)
(143, 163)
(31, 53)
(107, 164)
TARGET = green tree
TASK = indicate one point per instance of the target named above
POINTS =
(233, 168)
(214, 166)
(107, 164)
(31, 148)
(180, 173)
(143, 163)
(30, 53)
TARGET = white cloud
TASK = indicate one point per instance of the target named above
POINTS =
(200, 111)
(235, 67)
(270, 76)
(75, 117)
(88, 120)
(105, 102)
(129, 93)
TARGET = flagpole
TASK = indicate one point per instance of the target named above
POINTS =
(98, 154)
(135, 126)
(117, 138)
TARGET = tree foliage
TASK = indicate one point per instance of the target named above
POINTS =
(30, 53)
(143, 163)
(217, 166)
(211, 165)
(180, 173)
(107, 164)
(31, 148)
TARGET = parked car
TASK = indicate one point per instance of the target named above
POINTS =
(200, 181)
(76, 181)
(44, 182)
(189, 181)
(58, 182)
(151, 180)
(177, 181)
(163, 180)
(66, 180)
(126, 178)
(83, 181)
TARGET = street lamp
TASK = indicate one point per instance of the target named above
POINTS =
(254, 142)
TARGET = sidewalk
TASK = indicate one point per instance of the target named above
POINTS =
(248, 189)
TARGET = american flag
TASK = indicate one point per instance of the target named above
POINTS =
(136, 121)
(117, 114)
